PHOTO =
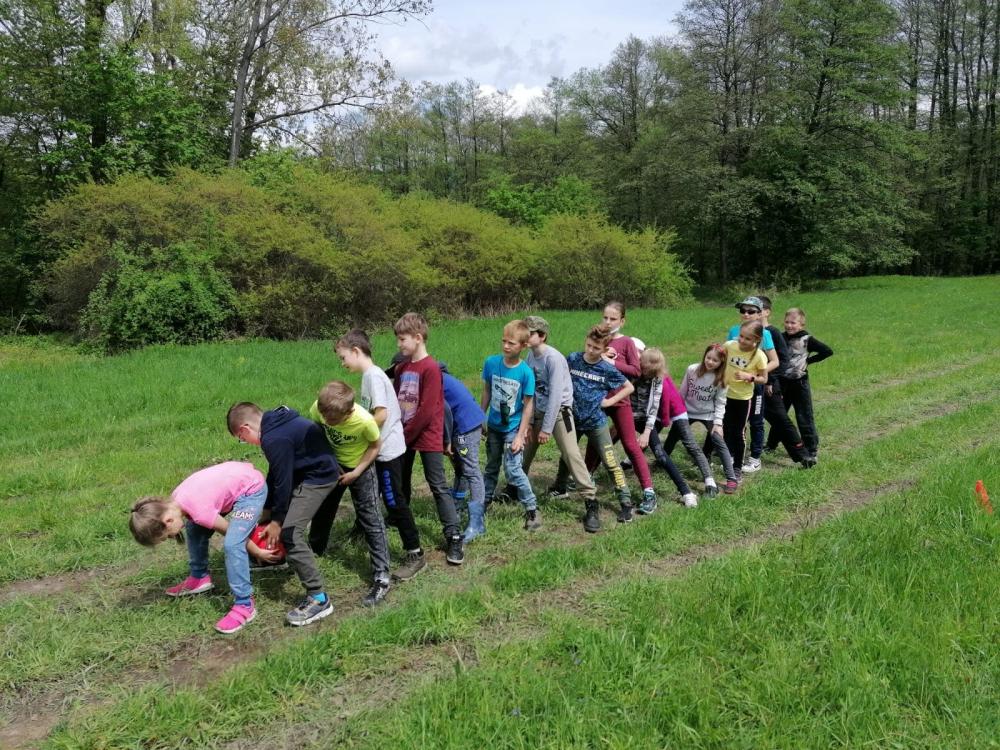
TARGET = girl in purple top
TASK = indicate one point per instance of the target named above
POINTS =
(227, 498)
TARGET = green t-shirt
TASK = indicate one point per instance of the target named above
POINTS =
(351, 438)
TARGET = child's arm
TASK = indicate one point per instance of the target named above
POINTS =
(721, 394)
(772, 363)
(263, 555)
(819, 350)
(527, 412)
(627, 360)
(370, 454)
(624, 392)
(652, 411)
(280, 455)
(380, 413)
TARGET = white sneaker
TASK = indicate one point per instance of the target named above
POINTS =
(690, 500)
(752, 465)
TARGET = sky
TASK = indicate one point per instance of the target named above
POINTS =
(518, 45)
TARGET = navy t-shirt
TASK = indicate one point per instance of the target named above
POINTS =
(591, 385)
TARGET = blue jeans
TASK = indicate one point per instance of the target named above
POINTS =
(497, 447)
(465, 460)
(242, 520)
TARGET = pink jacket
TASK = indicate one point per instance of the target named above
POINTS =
(672, 406)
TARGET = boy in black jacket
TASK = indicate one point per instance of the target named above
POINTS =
(301, 473)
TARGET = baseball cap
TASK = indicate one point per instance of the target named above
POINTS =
(751, 302)
(537, 323)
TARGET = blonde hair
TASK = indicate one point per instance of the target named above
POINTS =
(240, 414)
(517, 330)
(798, 312)
(411, 324)
(652, 363)
(335, 401)
(145, 521)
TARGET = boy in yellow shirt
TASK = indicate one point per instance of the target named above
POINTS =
(354, 436)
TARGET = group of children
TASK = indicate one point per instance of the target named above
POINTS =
(614, 389)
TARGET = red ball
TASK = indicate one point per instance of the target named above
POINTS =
(257, 537)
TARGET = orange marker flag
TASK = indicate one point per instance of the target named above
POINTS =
(984, 498)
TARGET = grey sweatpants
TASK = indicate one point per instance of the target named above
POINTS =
(305, 501)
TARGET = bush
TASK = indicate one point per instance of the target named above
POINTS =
(156, 296)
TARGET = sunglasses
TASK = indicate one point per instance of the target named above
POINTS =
(749, 311)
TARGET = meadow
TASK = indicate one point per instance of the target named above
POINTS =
(849, 605)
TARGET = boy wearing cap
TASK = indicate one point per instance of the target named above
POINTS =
(750, 309)
(554, 409)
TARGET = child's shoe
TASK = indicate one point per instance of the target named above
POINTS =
(648, 504)
(711, 488)
(532, 520)
(731, 486)
(557, 493)
(752, 464)
(690, 500)
(413, 563)
(592, 519)
(625, 514)
(237, 617)
(310, 610)
(455, 555)
(376, 594)
(625, 463)
(191, 585)
(808, 461)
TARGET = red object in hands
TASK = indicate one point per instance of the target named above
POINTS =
(984, 498)
(258, 538)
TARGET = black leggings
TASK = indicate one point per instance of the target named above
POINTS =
(733, 425)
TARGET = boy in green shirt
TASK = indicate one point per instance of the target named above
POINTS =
(354, 437)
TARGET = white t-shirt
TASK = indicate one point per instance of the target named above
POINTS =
(377, 392)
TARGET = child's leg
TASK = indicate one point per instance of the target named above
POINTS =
(600, 438)
(664, 460)
(494, 457)
(683, 428)
(670, 442)
(196, 537)
(804, 416)
(717, 442)
(774, 412)
(242, 520)
(407, 474)
(531, 446)
(364, 493)
(572, 463)
(624, 422)
(306, 500)
(433, 462)
(397, 504)
(733, 425)
(515, 473)
(466, 460)
(322, 520)
(757, 422)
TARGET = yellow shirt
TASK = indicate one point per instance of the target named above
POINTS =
(351, 438)
(754, 362)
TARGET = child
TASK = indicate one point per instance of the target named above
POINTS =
(301, 473)
(553, 410)
(782, 429)
(198, 505)
(804, 349)
(463, 426)
(379, 398)
(750, 310)
(646, 397)
(624, 355)
(595, 379)
(508, 395)
(704, 392)
(420, 391)
(355, 438)
(746, 366)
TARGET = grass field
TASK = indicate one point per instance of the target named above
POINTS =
(773, 618)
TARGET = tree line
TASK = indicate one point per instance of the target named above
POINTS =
(779, 141)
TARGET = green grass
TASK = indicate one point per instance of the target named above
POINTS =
(906, 397)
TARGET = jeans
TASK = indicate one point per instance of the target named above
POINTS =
(364, 494)
(600, 438)
(242, 520)
(397, 505)
(498, 446)
(465, 460)
(433, 462)
(680, 429)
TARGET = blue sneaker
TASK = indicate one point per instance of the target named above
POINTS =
(308, 611)
(648, 504)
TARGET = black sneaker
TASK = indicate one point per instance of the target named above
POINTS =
(504, 496)
(413, 563)
(625, 515)
(808, 462)
(454, 555)
(532, 520)
(592, 519)
(376, 594)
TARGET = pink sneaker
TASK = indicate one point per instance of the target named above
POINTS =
(191, 585)
(238, 616)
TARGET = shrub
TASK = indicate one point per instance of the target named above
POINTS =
(157, 295)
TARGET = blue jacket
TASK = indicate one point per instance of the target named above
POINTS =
(297, 452)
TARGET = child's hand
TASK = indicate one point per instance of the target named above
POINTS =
(267, 557)
(348, 477)
(517, 443)
(644, 440)
(610, 353)
(272, 533)
(543, 437)
(448, 450)
(717, 430)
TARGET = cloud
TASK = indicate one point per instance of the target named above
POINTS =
(521, 94)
